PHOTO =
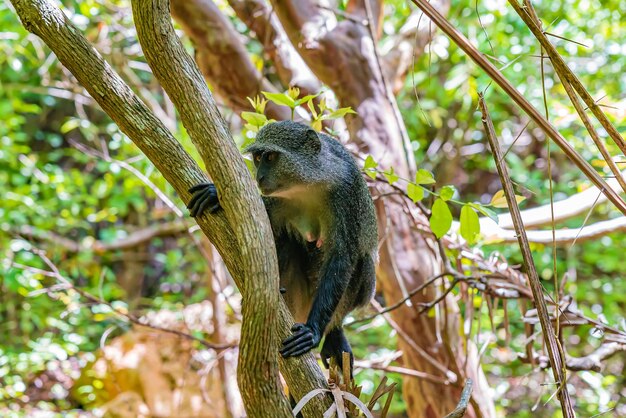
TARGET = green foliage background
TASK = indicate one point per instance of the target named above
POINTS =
(48, 184)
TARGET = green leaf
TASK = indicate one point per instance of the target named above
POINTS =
(370, 162)
(317, 125)
(470, 227)
(391, 176)
(293, 92)
(69, 125)
(415, 192)
(485, 211)
(447, 192)
(311, 106)
(424, 177)
(339, 113)
(253, 118)
(499, 200)
(280, 99)
(440, 218)
(308, 97)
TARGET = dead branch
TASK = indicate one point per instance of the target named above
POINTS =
(526, 13)
(554, 351)
(592, 361)
(463, 402)
(528, 108)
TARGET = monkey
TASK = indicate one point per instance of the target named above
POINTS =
(324, 226)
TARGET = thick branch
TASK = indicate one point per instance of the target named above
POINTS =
(177, 73)
(45, 20)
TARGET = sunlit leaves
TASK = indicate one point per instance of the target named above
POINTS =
(447, 192)
(391, 176)
(415, 192)
(280, 99)
(440, 218)
(499, 200)
(470, 227)
(424, 177)
(370, 167)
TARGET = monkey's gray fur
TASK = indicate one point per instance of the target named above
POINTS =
(324, 224)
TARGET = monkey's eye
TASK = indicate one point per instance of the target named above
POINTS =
(271, 156)
(257, 158)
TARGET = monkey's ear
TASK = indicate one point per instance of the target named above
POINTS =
(313, 140)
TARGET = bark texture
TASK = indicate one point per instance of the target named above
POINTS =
(249, 256)
(343, 55)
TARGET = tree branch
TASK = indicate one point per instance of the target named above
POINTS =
(528, 108)
(592, 361)
(555, 353)
(247, 257)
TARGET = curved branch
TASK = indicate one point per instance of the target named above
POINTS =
(574, 205)
(45, 19)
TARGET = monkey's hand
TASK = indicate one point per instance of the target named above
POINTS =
(303, 339)
(204, 196)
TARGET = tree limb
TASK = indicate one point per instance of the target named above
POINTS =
(43, 18)
(555, 352)
(592, 361)
(528, 108)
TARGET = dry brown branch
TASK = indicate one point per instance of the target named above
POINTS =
(555, 353)
(526, 13)
(529, 109)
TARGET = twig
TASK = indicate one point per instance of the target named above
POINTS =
(461, 407)
(541, 122)
(554, 352)
(68, 285)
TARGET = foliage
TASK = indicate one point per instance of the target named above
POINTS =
(67, 174)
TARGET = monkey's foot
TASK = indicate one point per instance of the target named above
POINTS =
(204, 196)
(302, 340)
(334, 346)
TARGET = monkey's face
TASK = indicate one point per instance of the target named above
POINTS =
(276, 174)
